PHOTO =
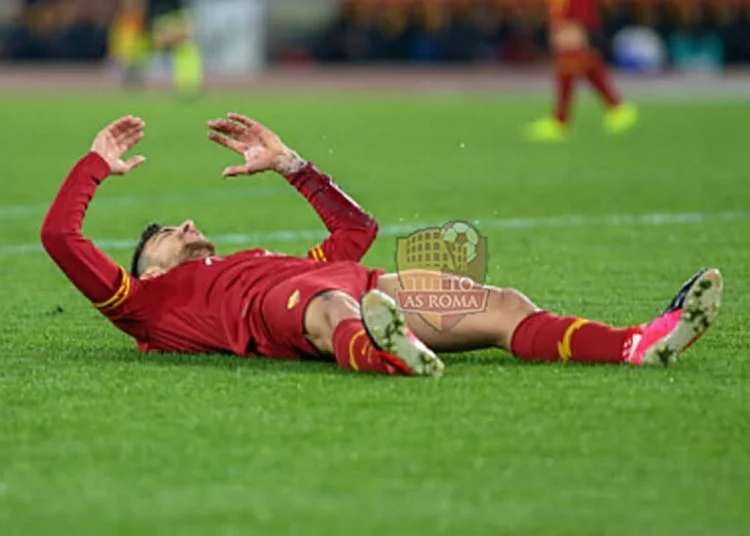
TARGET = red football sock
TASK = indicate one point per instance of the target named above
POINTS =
(569, 65)
(354, 350)
(565, 87)
(598, 75)
(545, 336)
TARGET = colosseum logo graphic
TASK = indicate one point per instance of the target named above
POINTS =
(441, 271)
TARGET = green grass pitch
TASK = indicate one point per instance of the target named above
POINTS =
(98, 439)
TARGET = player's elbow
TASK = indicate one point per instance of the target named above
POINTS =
(363, 237)
(368, 232)
(48, 235)
(371, 228)
(50, 240)
(54, 241)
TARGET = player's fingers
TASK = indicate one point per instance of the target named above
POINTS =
(116, 126)
(263, 133)
(230, 128)
(236, 171)
(134, 162)
(134, 124)
(123, 125)
(239, 118)
(229, 143)
(260, 131)
(131, 138)
(127, 128)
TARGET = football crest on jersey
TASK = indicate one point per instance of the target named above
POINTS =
(293, 300)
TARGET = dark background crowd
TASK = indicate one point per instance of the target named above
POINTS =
(62, 30)
(515, 31)
(495, 31)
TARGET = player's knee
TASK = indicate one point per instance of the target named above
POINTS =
(510, 307)
(338, 306)
(324, 313)
(509, 301)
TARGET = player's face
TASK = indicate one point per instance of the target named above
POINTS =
(174, 245)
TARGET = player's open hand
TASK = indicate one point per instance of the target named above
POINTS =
(261, 148)
(117, 139)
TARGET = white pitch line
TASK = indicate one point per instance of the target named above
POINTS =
(260, 238)
(9, 212)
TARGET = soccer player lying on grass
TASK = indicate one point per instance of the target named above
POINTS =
(182, 296)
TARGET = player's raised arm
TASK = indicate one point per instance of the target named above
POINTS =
(352, 229)
(106, 284)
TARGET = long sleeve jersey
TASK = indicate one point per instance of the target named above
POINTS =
(207, 305)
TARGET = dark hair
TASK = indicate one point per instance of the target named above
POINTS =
(146, 235)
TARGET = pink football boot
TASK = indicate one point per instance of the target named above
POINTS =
(683, 322)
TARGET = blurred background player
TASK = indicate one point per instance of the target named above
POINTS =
(574, 33)
(145, 27)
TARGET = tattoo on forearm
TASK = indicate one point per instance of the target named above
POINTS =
(290, 163)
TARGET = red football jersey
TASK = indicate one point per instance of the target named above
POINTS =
(209, 305)
(585, 12)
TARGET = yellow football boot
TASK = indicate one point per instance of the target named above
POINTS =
(620, 118)
(547, 130)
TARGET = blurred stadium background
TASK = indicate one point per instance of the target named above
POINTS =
(241, 38)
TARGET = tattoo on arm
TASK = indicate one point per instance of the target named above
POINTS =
(289, 163)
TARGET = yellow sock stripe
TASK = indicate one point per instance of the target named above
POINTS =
(314, 253)
(352, 356)
(321, 254)
(119, 296)
(563, 348)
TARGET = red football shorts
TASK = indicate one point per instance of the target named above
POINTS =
(283, 306)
